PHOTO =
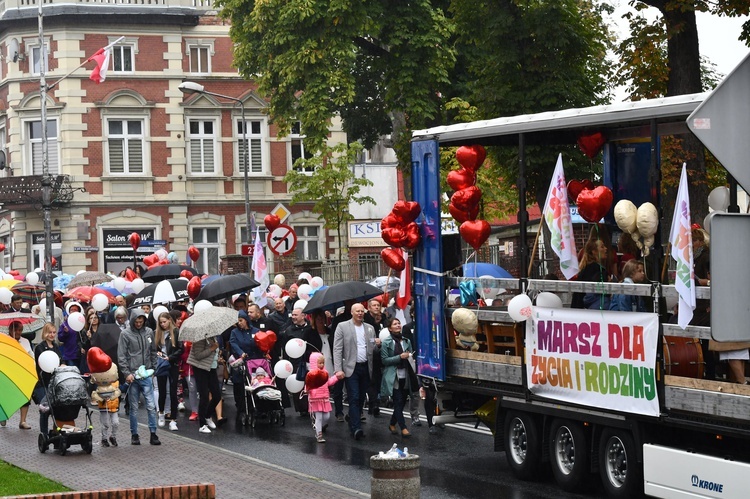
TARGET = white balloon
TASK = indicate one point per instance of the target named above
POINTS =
(626, 215)
(76, 321)
(183, 278)
(5, 295)
(294, 386)
(295, 348)
(274, 289)
(384, 334)
(306, 276)
(718, 199)
(137, 285)
(300, 304)
(316, 282)
(162, 254)
(32, 278)
(304, 291)
(202, 305)
(548, 300)
(120, 283)
(488, 287)
(283, 369)
(80, 272)
(519, 308)
(48, 361)
(100, 302)
(158, 310)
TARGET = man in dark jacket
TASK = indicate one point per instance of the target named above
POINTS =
(280, 318)
(300, 329)
(376, 319)
(136, 353)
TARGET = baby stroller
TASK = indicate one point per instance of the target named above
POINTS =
(265, 398)
(66, 394)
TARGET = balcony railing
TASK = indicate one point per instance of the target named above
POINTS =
(19, 192)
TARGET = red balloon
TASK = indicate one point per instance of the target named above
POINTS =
(186, 273)
(593, 204)
(408, 211)
(576, 186)
(53, 262)
(194, 253)
(394, 258)
(461, 179)
(315, 378)
(466, 199)
(265, 340)
(413, 238)
(475, 232)
(135, 240)
(271, 221)
(389, 221)
(393, 236)
(471, 157)
(130, 275)
(2, 247)
(194, 287)
(591, 144)
(462, 216)
(98, 361)
(150, 259)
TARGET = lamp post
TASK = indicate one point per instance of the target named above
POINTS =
(191, 87)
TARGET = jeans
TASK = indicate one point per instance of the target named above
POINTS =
(145, 387)
(162, 381)
(356, 388)
(399, 401)
(337, 392)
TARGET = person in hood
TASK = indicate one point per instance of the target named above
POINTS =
(135, 349)
(69, 339)
(242, 346)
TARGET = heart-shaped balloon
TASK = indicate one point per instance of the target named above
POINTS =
(194, 287)
(475, 232)
(135, 240)
(389, 221)
(271, 221)
(186, 273)
(593, 204)
(98, 361)
(576, 186)
(265, 340)
(471, 157)
(468, 290)
(393, 236)
(408, 211)
(2, 247)
(413, 238)
(315, 378)
(130, 276)
(394, 258)
(150, 259)
(462, 216)
(461, 179)
(591, 144)
(194, 253)
(466, 199)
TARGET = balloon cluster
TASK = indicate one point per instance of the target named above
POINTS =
(399, 230)
(640, 223)
(592, 202)
(295, 348)
(464, 205)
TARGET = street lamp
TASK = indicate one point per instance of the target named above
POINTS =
(191, 87)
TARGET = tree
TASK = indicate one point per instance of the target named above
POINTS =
(332, 187)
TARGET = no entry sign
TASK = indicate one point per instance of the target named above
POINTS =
(282, 240)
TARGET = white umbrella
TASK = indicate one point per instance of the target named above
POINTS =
(208, 323)
(386, 283)
(89, 278)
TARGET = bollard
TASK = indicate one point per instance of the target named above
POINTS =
(395, 478)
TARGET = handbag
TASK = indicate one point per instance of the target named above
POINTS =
(162, 367)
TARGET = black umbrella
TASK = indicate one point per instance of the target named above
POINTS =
(225, 286)
(162, 272)
(168, 291)
(334, 296)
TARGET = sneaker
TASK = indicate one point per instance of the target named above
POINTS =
(210, 423)
(340, 418)
(105, 442)
(113, 441)
(416, 422)
(181, 407)
(193, 416)
(173, 426)
(363, 418)
(154, 440)
(320, 438)
(162, 420)
(433, 430)
(359, 435)
(135, 440)
(205, 429)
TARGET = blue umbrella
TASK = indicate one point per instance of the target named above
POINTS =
(210, 278)
(482, 269)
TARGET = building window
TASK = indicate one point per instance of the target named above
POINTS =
(125, 142)
(34, 51)
(308, 242)
(37, 250)
(3, 142)
(206, 239)
(256, 135)
(263, 234)
(298, 151)
(34, 132)
(202, 146)
(123, 60)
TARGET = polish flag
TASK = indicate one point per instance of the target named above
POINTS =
(404, 291)
(99, 74)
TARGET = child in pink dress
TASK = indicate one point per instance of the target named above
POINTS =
(319, 397)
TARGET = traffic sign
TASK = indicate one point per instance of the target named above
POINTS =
(722, 123)
(282, 240)
(248, 249)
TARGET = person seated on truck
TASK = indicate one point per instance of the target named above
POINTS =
(633, 273)
(593, 269)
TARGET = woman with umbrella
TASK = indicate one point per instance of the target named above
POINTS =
(48, 344)
(15, 329)
(204, 357)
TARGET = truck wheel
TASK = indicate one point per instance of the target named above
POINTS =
(569, 455)
(618, 467)
(523, 447)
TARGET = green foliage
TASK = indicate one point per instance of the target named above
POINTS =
(15, 481)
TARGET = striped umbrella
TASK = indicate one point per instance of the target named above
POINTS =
(31, 293)
(17, 376)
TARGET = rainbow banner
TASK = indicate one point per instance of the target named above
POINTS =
(596, 358)
(556, 214)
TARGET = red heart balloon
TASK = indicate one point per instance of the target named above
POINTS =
(471, 157)
(466, 199)
(53, 262)
(408, 211)
(315, 378)
(394, 258)
(389, 221)
(462, 216)
(150, 260)
(591, 144)
(265, 340)
(186, 273)
(194, 287)
(194, 253)
(393, 236)
(475, 232)
(2, 247)
(98, 361)
(130, 275)
(576, 186)
(272, 221)
(594, 204)
(413, 238)
(461, 179)
(135, 240)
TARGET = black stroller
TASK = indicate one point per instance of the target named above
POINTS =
(265, 399)
(66, 394)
